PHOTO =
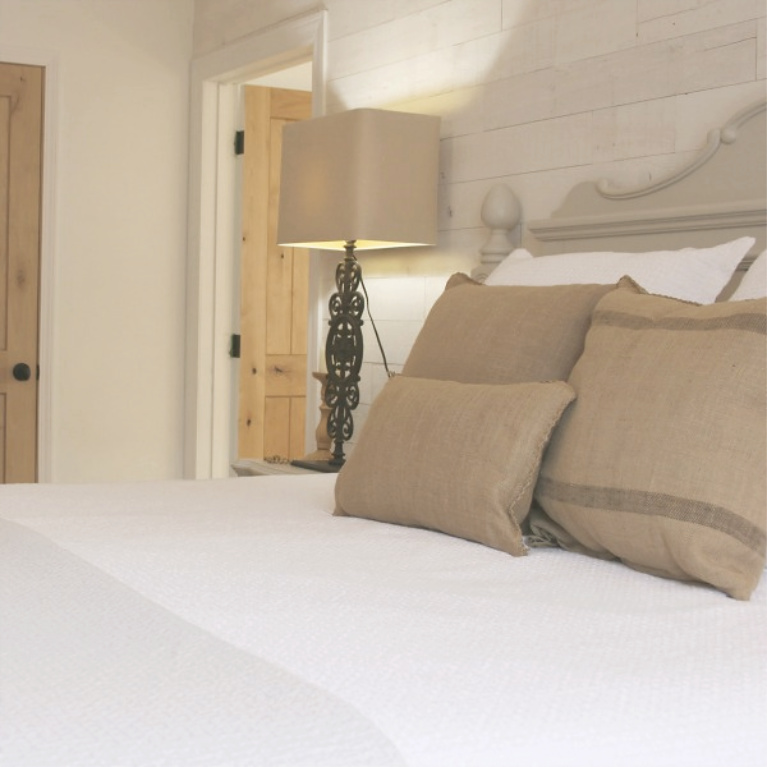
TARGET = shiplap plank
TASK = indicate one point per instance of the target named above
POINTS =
(707, 60)
(399, 301)
(703, 61)
(649, 10)
(713, 14)
(452, 69)
(441, 26)
(599, 28)
(516, 13)
(570, 30)
(559, 92)
(397, 337)
(634, 130)
(527, 48)
(523, 148)
(522, 99)
(219, 22)
(460, 110)
(350, 16)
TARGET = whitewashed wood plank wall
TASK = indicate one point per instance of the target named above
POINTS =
(541, 94)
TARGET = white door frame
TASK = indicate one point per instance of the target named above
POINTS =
(49, 60)
(213, 237)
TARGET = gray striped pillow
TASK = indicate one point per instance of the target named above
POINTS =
(661, 460)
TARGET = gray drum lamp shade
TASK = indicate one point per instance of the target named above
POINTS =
(366, 175)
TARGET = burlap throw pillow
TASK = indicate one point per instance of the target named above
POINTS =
(661, 460)
(479, 334)
(461, 459)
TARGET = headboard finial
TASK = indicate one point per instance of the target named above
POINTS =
(501, 213)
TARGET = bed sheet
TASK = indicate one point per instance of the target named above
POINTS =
(420, 648)
(95, 675)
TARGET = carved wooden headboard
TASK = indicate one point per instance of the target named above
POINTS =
(720, 195)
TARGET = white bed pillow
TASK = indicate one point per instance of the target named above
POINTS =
(754, 282)
(691, 274)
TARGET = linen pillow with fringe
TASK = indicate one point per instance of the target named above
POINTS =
(460, 459)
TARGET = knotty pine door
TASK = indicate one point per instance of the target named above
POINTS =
(274, 298)
(21, 133)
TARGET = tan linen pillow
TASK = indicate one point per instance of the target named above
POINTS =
(458, 458)
(479, 334)
(661, 461)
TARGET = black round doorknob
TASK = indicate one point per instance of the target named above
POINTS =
(22, 371)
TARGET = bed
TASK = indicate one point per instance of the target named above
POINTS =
(451, 598)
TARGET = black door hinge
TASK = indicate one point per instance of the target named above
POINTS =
(239, 142)
(234, 346)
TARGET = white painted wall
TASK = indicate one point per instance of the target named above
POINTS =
(538, 93)
(116, 228)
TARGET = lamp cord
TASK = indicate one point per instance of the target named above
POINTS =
(389, 374)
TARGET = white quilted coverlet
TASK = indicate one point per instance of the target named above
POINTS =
(236, 622)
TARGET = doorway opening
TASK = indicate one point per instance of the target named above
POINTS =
(214, 231)
(270, 406)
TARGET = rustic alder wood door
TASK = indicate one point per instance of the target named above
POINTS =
(274, 299)
(21, 115)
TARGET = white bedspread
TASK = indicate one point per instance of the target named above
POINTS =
(236, 622)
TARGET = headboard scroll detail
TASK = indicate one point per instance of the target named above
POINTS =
(719, 196)
(727, 134)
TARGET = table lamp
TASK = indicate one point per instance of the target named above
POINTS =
(357, 180)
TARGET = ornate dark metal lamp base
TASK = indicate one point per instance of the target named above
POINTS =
(343, 353)
(325, 467)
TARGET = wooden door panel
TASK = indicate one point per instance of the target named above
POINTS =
(276, 438)
(255, 210)
(300, 301)
(279, 266)
(21, 112)
(5, 158)
(287, 287)
(275, 287)
(285, 375)
(297, 426)
(3, 430)
(287, 300)
(279, 441)
(290, 105)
